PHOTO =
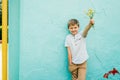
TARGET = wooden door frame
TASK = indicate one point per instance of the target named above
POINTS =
(4, 39)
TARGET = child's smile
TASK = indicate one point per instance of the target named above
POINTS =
(73, 29)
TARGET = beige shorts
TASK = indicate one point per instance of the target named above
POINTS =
(78, 71)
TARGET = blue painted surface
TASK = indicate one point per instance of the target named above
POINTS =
(43, 27)
(14, 40)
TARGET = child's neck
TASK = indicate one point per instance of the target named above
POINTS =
(74, 34)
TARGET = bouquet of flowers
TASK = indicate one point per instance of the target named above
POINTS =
(90, 14)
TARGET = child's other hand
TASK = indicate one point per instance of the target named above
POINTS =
(92, 21)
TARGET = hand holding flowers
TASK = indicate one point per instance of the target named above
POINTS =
(90, 14)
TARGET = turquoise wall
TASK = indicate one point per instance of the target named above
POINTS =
(36, 43)
(14, 40)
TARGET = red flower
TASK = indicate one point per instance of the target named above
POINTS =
(114, 71)
(106, 75)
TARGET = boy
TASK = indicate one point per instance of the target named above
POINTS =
(76, 46)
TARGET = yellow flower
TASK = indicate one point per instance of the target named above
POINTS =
(90, 13)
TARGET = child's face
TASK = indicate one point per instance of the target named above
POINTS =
(74, 29)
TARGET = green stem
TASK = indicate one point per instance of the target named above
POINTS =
(91, 17)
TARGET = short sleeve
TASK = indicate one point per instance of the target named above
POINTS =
(81, 33)
(67, 42)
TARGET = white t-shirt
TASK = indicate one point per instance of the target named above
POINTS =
(77, 44)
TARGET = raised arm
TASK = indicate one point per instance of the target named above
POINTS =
(87, 28)
(69, 56)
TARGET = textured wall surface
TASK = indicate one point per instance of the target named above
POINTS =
(43, 27)
(14, 40)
